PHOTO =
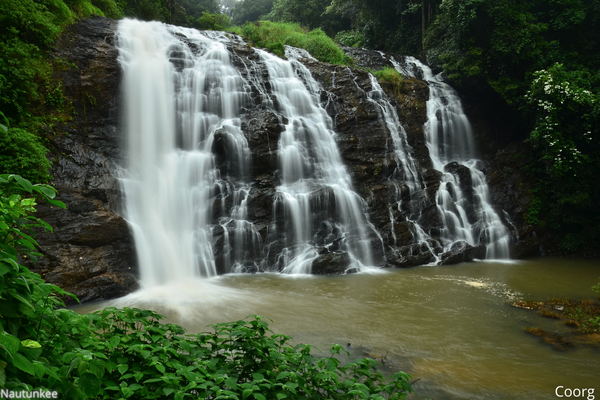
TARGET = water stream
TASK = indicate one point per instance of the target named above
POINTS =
(450, 140)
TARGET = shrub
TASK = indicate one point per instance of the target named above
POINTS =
(391, 76)
(213, 22)
(21, 151)
(349, 38)
(275, 35)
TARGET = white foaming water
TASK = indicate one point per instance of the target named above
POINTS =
(177, 105)
(315, 190)
(407, 170)
(450, 139)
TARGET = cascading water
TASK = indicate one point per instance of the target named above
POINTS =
(406, 171)
(463, 197)
(316, 190)
(186, 185)
(178, 106)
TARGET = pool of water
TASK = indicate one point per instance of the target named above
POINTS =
(451, 327)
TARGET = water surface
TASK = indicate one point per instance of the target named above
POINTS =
(452, 327)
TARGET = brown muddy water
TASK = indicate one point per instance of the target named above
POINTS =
(452, 327)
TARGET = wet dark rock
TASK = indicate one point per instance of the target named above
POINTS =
(331, 263)
(91, 251)
(411, 256)
(461, 251)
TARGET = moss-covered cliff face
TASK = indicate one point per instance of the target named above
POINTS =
(91, 252)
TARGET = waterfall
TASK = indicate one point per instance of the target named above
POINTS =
(179, 107)
(187, 181)
(406, 171)
(462, 199)
(325, 213)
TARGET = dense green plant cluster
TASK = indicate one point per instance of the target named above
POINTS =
(351, 38)
(21, 151)
(275, 35)
(130, 354)
(216, 22)
(391, 76)
(250, 11)
(309, 14)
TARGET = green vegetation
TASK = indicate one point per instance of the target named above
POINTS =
(349, 38)
(274, 35)
(129, 353)
(22, 151)
(391, 76)
(250, 11)
(216, 22)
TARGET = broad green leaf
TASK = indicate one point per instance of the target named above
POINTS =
(114, 341)
(89, 384)
(46, 190)
(168, 391)
(179, 396)
(13, 263)
(246, 393)
(122, 368)
(23, 363)
(83, 367)
(259, 396)
(39, 369)
(2, 377)
(3, 128)
(22, 299)
(9, 343)
(30, 343)
(68, 357)
(4, 269)
(57, 203)
(24, 183)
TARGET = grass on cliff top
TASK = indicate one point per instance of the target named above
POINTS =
(275, 35)
(391, 76)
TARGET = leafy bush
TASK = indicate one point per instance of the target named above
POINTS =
(21, 151)
(213, 22)
(351, 38)
(130, 354)
(275, 35)
(565, 137)
(391, 76)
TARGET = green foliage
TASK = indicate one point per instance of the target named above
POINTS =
(565, 136)
(250, 11)
(130, 354)
(274, 35)
(350, 38)
(21, 151)
(147, 10)
(391, 76)
(309, 14)
(596, 288)
(214, 22)
(28, 28)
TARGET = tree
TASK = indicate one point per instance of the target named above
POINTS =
(250, 11)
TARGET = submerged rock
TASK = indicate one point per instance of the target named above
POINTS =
(461, 251)
(331, 263)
